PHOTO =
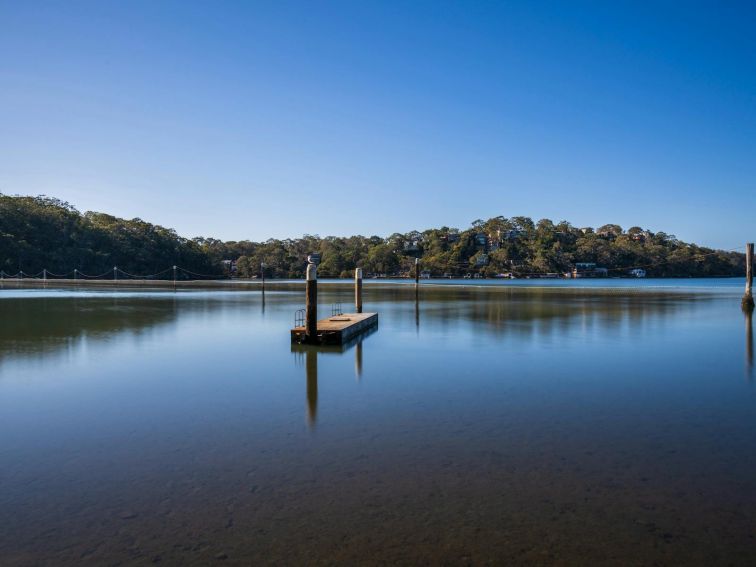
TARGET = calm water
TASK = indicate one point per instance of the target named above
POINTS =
(549, 425)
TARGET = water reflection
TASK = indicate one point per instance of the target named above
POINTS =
(311, 366)
(749, 342)
(311, 354)
(618, 424)
(40, 326)
(417, 310)
(358, 360)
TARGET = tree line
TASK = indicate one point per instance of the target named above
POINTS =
(43, 232)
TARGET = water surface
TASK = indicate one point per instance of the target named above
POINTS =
(561, 425)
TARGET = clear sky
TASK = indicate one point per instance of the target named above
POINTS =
(275, 119)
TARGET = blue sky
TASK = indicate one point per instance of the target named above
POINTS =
(275, 119)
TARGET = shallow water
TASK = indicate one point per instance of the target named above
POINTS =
(476, 425)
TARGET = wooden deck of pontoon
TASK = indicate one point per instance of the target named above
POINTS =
(338, 329)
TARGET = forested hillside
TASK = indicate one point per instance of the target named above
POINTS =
(42, 232)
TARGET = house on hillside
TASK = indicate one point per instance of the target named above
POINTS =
(587, 270)
(514, 234)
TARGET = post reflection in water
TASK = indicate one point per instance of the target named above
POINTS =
(749, 342)
(311, 367)
(358, 361)
(417, 310)
(311, 354)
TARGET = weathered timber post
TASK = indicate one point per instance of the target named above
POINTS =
(262, 275)
(311, 304)
(417, 271)
(115, 273)
(311, 367)
(76, 274)
(747, 302)
(174, 278)
(44, 274)
(358, 290)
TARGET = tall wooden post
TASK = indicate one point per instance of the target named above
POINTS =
(747, 302)
(262, 275)
(358, 290)
(311, 304)
(417, 271)
(174, 278)
(115, 273)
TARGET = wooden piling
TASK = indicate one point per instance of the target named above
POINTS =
(311, 304)
(262, 275)
(417, 271)
(747, 302)
(358, 290)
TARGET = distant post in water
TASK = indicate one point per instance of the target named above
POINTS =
(747, 302)
(417, 271)
(358, 290)
(44, 274)
(262, 275)
(115, 273)
(76, 274)
(174, 278)
(311, 304)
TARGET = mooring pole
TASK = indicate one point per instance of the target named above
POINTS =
(262, 274)
(174, 278)
(44, 274)
(76, 274)
(417, 271)
(747, 302)
(358, 290)
(115, 273)
(311, 304)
